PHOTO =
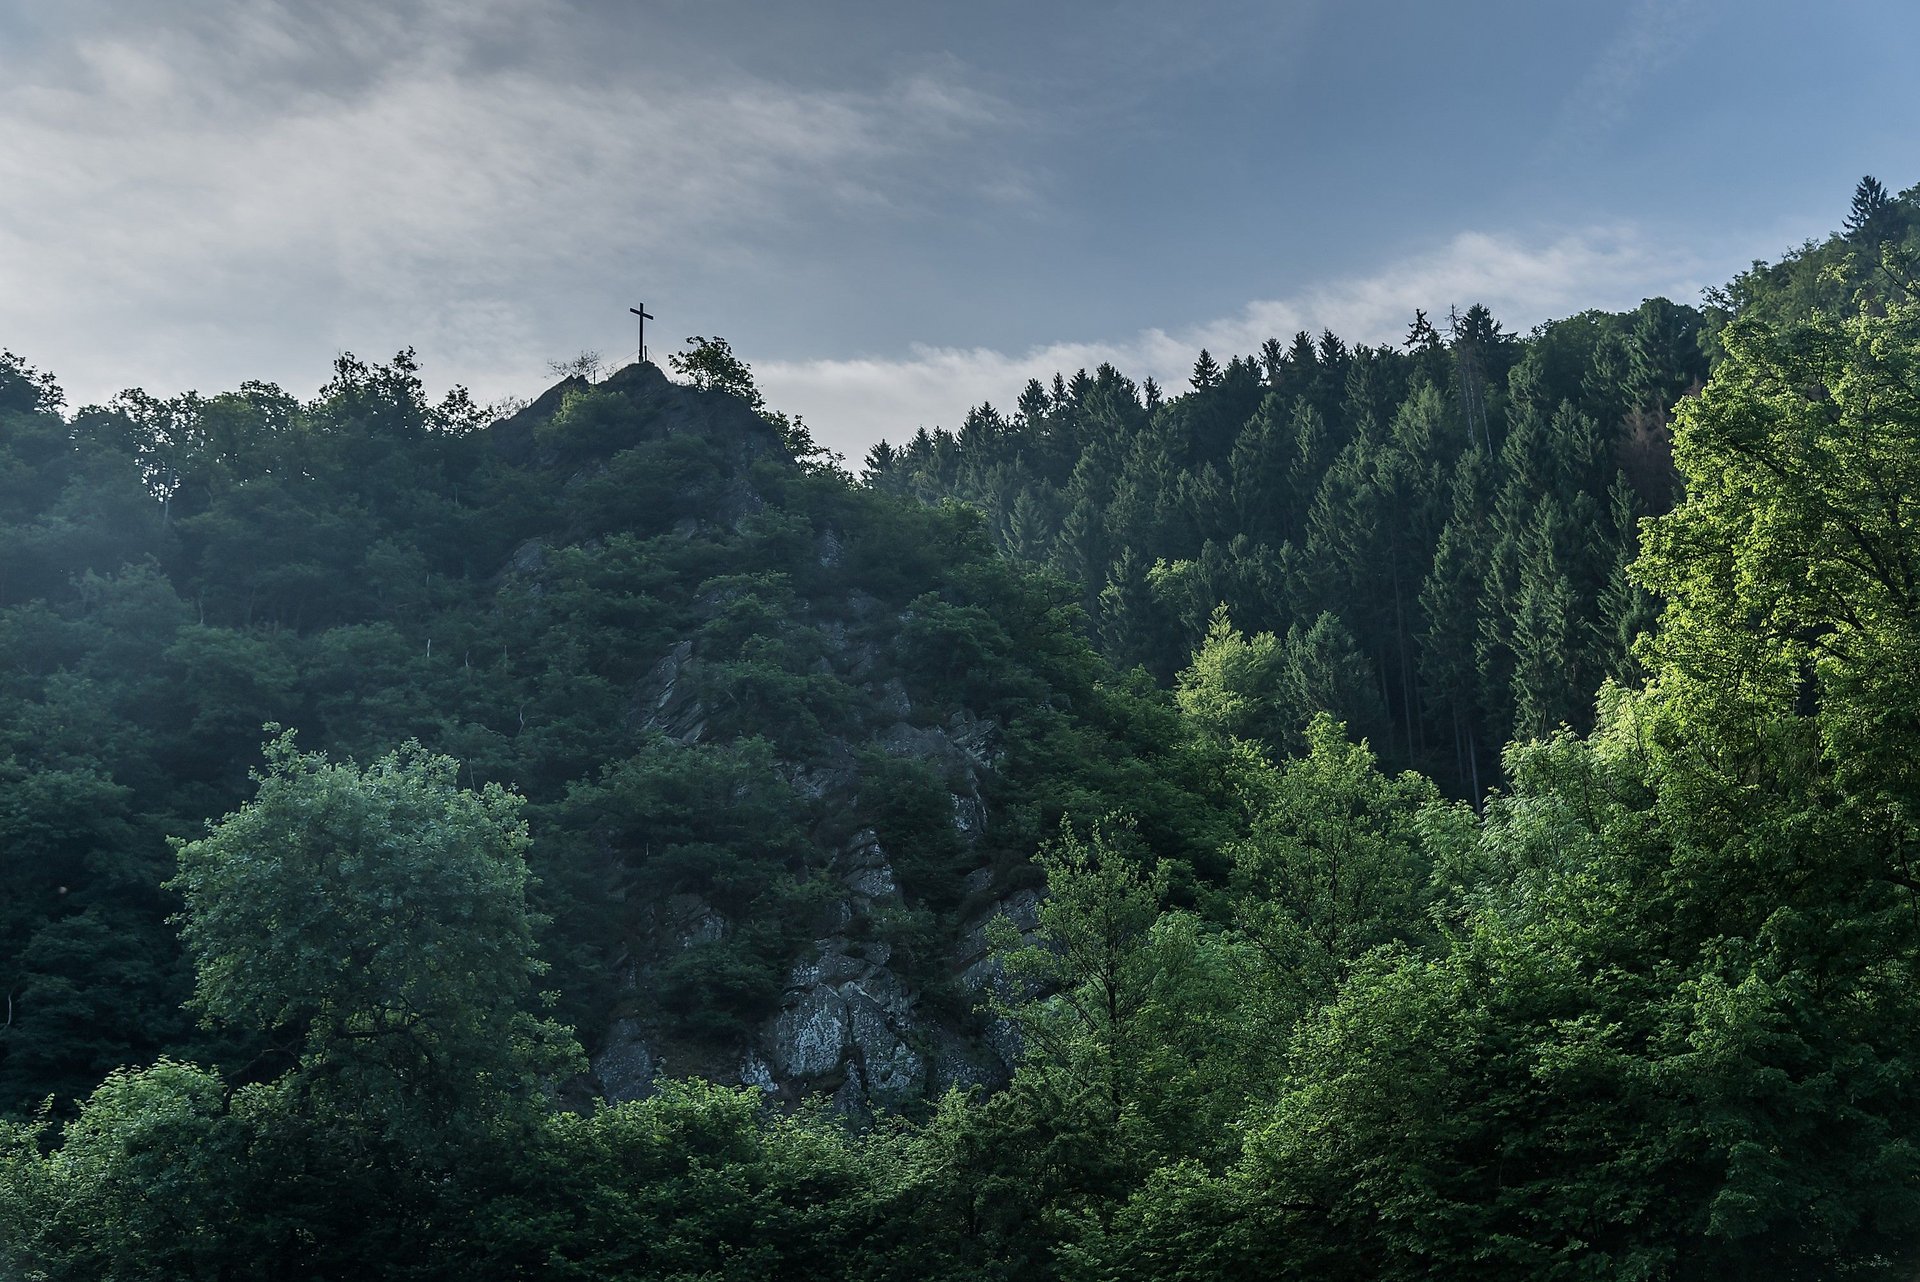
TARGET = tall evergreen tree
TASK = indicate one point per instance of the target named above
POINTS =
(1867, 216)
(1451, 607)
(1626, 610)
(1206, 373)
(1550, 681)
(1129, 625)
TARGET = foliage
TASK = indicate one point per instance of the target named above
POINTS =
(377, 916)
(1272, 1006)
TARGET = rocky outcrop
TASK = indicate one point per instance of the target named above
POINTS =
(852, 1020)
(850, 1026)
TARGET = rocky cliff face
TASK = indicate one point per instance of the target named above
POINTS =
(853, 1021)
(850, 1025)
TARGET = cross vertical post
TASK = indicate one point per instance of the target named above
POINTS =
(641, 312)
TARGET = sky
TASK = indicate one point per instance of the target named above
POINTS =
(892, 210)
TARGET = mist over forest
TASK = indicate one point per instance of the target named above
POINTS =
(1438, 808)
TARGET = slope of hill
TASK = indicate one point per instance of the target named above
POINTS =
(786, 741)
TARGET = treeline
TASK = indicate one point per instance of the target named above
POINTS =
(1648, 1011)
(1434, 534)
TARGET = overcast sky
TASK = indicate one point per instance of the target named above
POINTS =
(893, 210)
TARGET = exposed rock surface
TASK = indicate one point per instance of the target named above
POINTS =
(851, 1023)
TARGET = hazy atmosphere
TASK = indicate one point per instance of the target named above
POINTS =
(892, 211)
(1231, 641)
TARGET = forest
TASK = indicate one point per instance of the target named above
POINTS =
(1439, 809)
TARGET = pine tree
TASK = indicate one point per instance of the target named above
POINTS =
(1206, 374)
(1626, 610)
(1343, 530)
(1129, 624)
(1868, 215)
(1273, 360)
(1421, 335)
(1029, 527)
(1549, 679)
(1603, 387)
(1302, 357)
(1080, 550)
(1033, 405)
(1369, 399)
(882, 467)
(1480, 351)
(1079, 387)
(1326, 672)
(1206, 503)
(1257, 471)
(1663, 353)
(1333, 353)
(1450, 603)
(1312, 455)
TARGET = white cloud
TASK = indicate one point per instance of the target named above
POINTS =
(852, 403)
(241, 192)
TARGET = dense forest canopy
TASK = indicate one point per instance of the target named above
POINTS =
(1439, 809)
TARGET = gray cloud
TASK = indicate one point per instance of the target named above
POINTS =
(856, 402)
(259, 178)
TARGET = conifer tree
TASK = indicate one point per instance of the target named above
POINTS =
(1549, 681)
(1421, 335)
(1868, 213)
(1326, 672)
(1258, 471)
(880, 469)
(1313, 453)
(1626, 609)
(1663, 353)
(1079, 550)
(1273, 360)
(1029, 527)
(1450, 603)
(1206, 373)
(1128, 622)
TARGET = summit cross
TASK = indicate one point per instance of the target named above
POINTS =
(642, 313)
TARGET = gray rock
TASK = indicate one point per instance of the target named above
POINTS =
(969, 814)
(891, 698)
(851, 1099)
(953, 1061)
(664, 701)
(809, 1038)
(895, 1074)
(695, 922)
(1022, 908)
(625, 1066)
(755, 1071)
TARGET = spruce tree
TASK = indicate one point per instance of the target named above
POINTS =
(1326, 672)
(1313, 453)
(1206, 374)
(1257, 471)
(1549, 682)
(1079, 551)
(1029, 528)
(1273, 360)
(1450, 604)
(1868, 214)
(1625, 609)
(1129, 625)
(1152, 395)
